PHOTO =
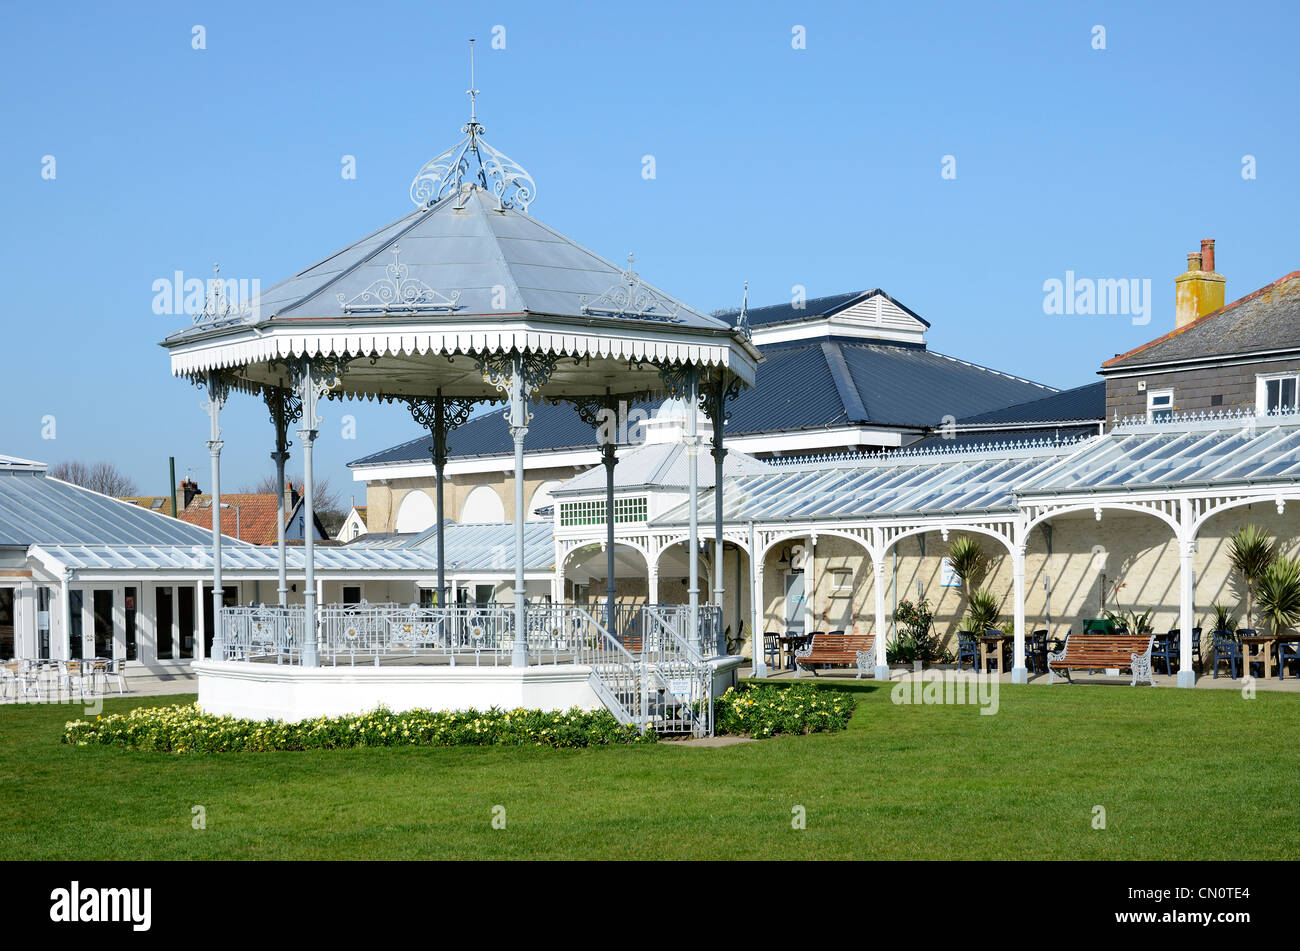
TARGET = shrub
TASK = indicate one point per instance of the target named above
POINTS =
(187, 729)
(765, 710)
(983, 612)
(916, 638)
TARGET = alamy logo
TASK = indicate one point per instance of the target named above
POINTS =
(76, 904)
(924, 688)
(1103, 297)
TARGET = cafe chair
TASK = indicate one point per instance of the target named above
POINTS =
(1225, 648)
(1166, 649)
(968, 649)
(1036, 652)
(1287, 653)
(772, 649)
(114, 671)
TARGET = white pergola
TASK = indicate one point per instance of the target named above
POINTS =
(1182, 471)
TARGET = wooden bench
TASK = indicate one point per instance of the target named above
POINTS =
(1102, 651)
(840, 649)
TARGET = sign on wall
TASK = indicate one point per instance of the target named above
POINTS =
(947, 577)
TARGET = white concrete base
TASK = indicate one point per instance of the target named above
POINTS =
(286, 692)
(1019, 675)
(1186, 677)
(882, 672)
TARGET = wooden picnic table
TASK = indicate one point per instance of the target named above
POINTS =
(1265, 645)
(991, 649)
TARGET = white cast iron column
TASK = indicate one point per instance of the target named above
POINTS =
(757, 625)
(216, 397)
(1019, 674)
(1186, 595)
(307, 438)
(279, 416)
(882, 620)
(518, 430)
(693, 482)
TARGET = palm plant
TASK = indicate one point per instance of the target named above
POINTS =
(1250, 552)
(1223, 618)
(982, 612)
(1278, 590)
(968, 562)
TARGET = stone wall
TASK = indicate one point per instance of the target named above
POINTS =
(1194, 390)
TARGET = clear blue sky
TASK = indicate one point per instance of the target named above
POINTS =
(819, 167)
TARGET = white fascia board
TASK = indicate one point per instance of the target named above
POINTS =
(827, 439)
(784, 333)
(471, 464)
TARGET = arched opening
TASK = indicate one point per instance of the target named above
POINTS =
(542, 500)
(416, 513)
(483, 504)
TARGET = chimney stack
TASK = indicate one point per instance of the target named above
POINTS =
(189, 489)
(289, 496)
(1200, 289)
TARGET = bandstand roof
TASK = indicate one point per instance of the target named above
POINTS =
(467, 272)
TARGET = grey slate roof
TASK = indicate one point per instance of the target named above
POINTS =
(38, 510)
(1082, 402)
(498, 261)
(1267, 319)
(813, 309)
(800, 385)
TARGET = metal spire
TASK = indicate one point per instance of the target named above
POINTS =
(742, 322)
(473, 93)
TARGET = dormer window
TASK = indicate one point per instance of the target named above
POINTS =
(1277, 393)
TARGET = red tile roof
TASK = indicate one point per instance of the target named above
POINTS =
(257, 516)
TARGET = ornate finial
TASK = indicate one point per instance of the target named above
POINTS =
(216, 307)
(742, 322)
(445, 173)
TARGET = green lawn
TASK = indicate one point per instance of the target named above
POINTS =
(1182, 774)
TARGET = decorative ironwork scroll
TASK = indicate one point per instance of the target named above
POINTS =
(398, 291)
(630, 298)
(498, 370)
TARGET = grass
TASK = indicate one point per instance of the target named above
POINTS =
(1182, 774)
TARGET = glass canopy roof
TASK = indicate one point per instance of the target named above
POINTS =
(935, 483)
(1243, 450)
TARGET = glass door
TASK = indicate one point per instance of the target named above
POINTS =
(164, 618)
(794, 601)
(131, 649)
(43, 597)
(102, 604)
(7, 606)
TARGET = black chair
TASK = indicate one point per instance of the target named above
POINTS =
(1036, 651)
(772, 649)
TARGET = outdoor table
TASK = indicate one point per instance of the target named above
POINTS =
(991, 649)
(789, 644)
(1265, 644)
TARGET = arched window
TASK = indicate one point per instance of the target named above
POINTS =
(483, 505)
(416, 512)
(542, 499)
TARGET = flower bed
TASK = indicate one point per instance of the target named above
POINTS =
(762, 711)
(186, 729)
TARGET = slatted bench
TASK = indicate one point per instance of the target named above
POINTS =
(1102, 651)
(838, 649)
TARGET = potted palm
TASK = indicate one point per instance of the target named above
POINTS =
(968, 561)
(1278, 592)
(1250, 552)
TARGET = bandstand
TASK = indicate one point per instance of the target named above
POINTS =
(464, 300)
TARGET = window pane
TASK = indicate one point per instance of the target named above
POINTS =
(1288, 394)
(185, 615)
(43, 596)
(131, 650)
(76, 600)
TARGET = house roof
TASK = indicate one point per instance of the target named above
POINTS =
(1087, 402)
(36, 509)
(813, 309)
(256, 522)
(800, 385)
(1264, 320)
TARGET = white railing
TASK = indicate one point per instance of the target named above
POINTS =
(650, 671)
